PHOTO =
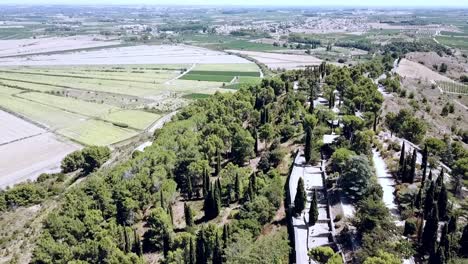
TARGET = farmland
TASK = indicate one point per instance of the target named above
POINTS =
(453, 87)
(278, 60)
(53, 109)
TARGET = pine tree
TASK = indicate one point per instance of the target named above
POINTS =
(300, 198)
(308, 145)
(313, 211)
(464, 242)
(201, 250)
(429, 236)
(442, 202)
(188, 215)
(429, 200)
(237, 188)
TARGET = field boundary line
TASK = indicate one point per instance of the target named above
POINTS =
(181, 75)
(23, 138)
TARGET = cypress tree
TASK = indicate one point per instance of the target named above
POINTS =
(300, 198)
(442, 202)
(166, 245)
(313, 211)
(253, 179)
(445, 242)
(170, 213)
(418, 200)
(402, 155)
(137, 244)
(127, 240)
(201, 250)
(229, 195)
(256, 141)
(404, 172)
(208, 204)
(464, 242)
(216, 200)
(206, 182)
(452, 224)
(412, 173)
(217, 252)
(430, 175)
(225, 235)
(161, 197)
(440, 179)
(429, 236)
(424, 163)
(308, 145)
(218, 162)
(429, 200)
(189, 186)
(192, 255)
(188, 215)
(219, 188)
(237, 188)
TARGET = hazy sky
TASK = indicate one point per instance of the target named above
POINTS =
(394, 3)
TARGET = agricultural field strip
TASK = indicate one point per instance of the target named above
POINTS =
(135, 119)
(122, 88)
(119, 88)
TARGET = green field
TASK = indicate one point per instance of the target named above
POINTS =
(454, 42)
(98, 105)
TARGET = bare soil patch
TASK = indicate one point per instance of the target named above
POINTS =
(457, 65)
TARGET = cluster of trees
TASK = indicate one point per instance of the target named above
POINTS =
(299, 38)
(406, 125)
(87, 159)
(29, 193)
(360, 44)
(201, 154)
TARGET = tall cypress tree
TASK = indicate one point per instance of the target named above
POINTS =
(188, 215)
(308, 145)
(201, 250)
(253, 179)
(127, 240)
(256, 142)
(424, 163)
(225, 235)
(208, 204)
(192, 254)
(217, 252)
(189, 186)
(429, 236)
(412, 172)
(216, 200)
(418, 200)
(206, 182)
(464, 242)
(452, 224)
(445, 242)
(442, 202)
(161, 198)
(237, 190)
(430, 175)
(300, 198)
(402, 155)
(218, 162)
(137, 248)
(313, 211)
(429, 200)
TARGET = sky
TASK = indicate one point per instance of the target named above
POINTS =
(358, 3)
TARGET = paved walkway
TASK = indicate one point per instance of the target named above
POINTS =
(307, 237)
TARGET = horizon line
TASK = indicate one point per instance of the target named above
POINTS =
(235, 5)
